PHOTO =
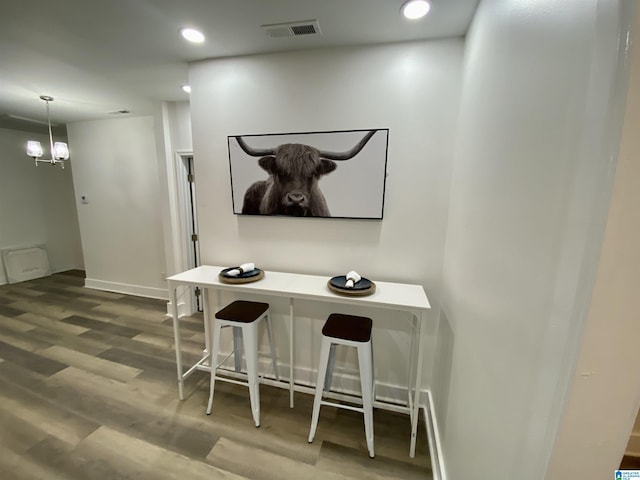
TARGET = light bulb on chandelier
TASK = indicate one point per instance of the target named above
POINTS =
(59, 150)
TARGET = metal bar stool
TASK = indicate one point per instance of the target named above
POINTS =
(243, 316)
(351, 331)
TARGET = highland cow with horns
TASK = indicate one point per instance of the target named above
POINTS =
(292, 187)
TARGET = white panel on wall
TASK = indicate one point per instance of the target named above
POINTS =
(26, 263)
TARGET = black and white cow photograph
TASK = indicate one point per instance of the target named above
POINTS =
(338, 174)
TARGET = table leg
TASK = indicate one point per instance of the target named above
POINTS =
(291, 335)
(218, 300)
(217, 305)
(418, 384)
(205, 316)
(413, 340)
(176, 337)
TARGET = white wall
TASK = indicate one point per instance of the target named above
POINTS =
(412, 89)
(115, 167)
(36, 204)
(179, 118)
(605, 391)
(173, 136)
(528, 201)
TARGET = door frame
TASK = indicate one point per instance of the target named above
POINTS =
(181, 228)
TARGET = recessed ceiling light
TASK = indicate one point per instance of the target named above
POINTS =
(186, 88)
(192, 35)
(414, 9)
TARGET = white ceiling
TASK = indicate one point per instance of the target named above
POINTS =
(99, 56)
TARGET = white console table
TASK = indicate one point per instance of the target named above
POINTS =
(394, 296)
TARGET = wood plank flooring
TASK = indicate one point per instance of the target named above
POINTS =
(88, 391)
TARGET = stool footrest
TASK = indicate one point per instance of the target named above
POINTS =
(220, 363)
(340, 405)
(243, 373)
(224, 360)
(233, 373)
(196, 366)
(231, 380)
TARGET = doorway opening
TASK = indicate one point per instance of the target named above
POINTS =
(189, 235)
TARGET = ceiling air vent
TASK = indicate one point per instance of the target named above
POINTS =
(293, 29)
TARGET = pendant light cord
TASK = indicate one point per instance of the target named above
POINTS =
(50, 134)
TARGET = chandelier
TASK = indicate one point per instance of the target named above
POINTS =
(59, 150)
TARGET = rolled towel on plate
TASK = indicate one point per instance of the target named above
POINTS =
(352, 279)
(244, 268)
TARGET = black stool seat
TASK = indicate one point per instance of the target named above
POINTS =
(242, 311)
(348, 327)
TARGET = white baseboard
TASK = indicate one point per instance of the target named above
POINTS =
(4, 281)
(65, 268)
(434, 440)
(137, 290)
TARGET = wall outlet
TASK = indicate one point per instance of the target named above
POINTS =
(84, 199)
